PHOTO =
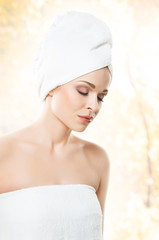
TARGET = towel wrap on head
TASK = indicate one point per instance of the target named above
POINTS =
(75, 44)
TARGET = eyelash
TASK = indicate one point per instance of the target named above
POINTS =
(85, 94)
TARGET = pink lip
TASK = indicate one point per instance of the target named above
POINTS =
(84, 119)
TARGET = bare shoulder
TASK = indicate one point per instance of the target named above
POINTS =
(97, 153)
(6, 145)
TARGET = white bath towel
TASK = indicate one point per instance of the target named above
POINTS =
(51, 212)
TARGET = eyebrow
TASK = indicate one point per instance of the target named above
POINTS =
(93, 86)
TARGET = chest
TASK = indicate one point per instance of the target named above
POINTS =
(30, 167)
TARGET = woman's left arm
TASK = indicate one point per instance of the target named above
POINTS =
(104, 180)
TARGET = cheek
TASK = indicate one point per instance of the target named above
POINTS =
(73, 100)
(66, 101)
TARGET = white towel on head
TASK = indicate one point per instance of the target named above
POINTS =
(76, 43)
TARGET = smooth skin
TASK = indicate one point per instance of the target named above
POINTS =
(47, 153)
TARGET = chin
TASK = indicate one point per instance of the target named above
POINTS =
(79, 129)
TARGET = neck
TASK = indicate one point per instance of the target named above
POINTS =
(50, 131)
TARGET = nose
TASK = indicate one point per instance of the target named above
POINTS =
(93, 104)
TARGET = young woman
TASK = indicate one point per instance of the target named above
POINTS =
(53, 184)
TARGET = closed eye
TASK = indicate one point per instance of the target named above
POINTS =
(85, 94)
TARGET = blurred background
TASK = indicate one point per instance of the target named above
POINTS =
(128, 123)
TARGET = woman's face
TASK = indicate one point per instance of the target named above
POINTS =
(80, 98)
